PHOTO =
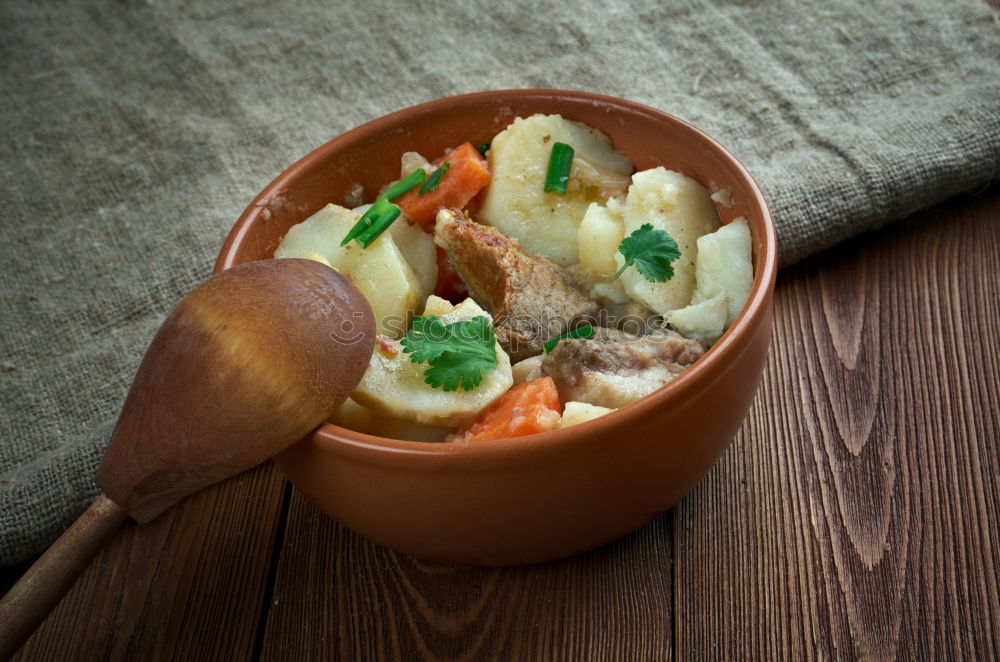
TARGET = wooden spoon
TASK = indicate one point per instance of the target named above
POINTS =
(249, 362)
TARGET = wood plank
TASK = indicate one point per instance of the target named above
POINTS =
(856, 515)
(190, 585)
(339, 597)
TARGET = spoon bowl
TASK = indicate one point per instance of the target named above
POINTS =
(248, 363)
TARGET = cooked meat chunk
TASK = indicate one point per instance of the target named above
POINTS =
(531, 299)
(612, 368)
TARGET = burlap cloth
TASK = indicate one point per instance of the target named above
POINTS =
(135, 133)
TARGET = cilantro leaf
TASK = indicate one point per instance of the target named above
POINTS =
(651, 251)
(458, 353)
(426, 340)
(451, 370)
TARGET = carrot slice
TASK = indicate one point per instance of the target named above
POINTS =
(529, 407)
(467, 174)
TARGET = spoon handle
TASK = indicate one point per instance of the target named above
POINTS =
(41, 588)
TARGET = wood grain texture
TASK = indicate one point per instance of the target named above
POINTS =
(46, 583)
(187, 586)
(340, 597)
(856, 515)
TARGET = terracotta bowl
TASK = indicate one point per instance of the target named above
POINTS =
(548, 495)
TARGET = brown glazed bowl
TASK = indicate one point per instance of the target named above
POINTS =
(543, 496)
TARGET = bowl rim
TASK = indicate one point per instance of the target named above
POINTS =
(366, 447)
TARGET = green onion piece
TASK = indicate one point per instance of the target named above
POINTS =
(482, 148)
(560, 162)
(585, 331)
(363, 224)
(393, 191)
(432, 182)
(384, 214)
(405, 184)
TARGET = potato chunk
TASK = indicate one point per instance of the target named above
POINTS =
(516, 204)
(725, 267)
(668, 201)
(381, 271)
(598, 237)
(704, 321)
(394, 385)
(353, 416)
(725, 275)
(575, 413)
(417, 247)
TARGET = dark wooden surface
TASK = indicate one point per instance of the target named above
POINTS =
(856, 515)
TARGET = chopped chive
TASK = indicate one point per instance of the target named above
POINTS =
(384, 213)
(363, 224)
(560, 162)
(367, 220)
(366, 224)
(432, 182)
(482, 148)
(622, 270)
(405, 184)
(585, 331)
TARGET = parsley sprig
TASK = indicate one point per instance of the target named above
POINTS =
(651, 251)
(458, 353)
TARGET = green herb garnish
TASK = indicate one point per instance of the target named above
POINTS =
(458, 353)
(432, 182)
(651, 251)
(393, 191)
(585, 331)
(560, 163)
(381, 214)
(373, 222)
(363, 224)
(482, 148)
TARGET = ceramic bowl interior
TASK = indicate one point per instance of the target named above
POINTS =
(361, 479)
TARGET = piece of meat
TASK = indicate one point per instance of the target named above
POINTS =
(531, 299)
(613, 368)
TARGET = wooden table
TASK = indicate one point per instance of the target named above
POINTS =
(856, 515)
